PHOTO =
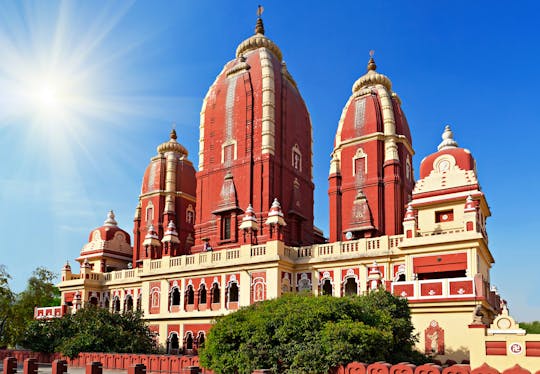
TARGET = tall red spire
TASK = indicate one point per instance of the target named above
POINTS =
(371, 168)
(255, 145)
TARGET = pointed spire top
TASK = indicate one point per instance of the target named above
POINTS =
(172, 145)
(371, 66)
(448, 139)
(110, 221)
(173, 133)
(259, 27)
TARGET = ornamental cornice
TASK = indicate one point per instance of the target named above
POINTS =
(258, 41)
(372, 78)
(172, 146)
(165, 193)
(238, 68)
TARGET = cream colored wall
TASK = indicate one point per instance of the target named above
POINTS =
(426, 218)
(453, 321)
(477, 341)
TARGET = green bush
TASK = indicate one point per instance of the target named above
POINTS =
(299, 334)
(91, 329)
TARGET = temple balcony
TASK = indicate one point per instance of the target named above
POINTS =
(50, 312)
(446, 289)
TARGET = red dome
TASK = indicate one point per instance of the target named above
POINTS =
(363, 113)
(463, 159)
(109, 231)
(154, 175)
(458, 157)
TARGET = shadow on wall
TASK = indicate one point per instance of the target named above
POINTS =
(452, 356)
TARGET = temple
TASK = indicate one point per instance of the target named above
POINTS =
(240, 229)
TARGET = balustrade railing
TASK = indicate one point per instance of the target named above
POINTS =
(435, 288)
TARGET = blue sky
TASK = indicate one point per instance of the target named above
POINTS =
(89, 89)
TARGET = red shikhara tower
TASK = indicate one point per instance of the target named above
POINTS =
(371, 177)
(164, 218)
(255, 180)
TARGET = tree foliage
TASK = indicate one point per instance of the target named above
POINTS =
(7, 298)
(91, 329)
(531, 327)
(40, 291)
(311, 334)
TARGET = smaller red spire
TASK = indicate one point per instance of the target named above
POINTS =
(275, 215)
(409, 214)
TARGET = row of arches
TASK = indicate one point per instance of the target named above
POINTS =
(191, 342)
(349, 287)
(116, 306)
(203, 296)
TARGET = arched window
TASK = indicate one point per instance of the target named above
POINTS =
(359, 165)
(190, 295)
(139, 303)
(175, 296)
(154, 298)
(202, 294)
(259, 289)
(190, 214)
(149, 213)
(327, 287)
(174, 343)
(351, 287)
(200, 339)
(233, 292)
(296, 158)
(128, 304)
(106, 303)
(226, 227)
(116, 304)
(188, 342)
(408, 168)
(93, 301)
(216, 293)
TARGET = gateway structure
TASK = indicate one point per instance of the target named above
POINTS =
(240, 229)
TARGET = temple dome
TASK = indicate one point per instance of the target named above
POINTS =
(108, 231)
(108, 247)
(365, 113)
(449, 155)
(451, 168)
(154, 175)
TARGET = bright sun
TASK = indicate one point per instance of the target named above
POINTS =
(48, 95)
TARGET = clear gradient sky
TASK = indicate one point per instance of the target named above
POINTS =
(88, 89)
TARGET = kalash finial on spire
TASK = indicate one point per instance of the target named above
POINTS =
(259, 27)
(173, 132)
(371, 66)
(110, 221)
(448, 139)
(172, 145)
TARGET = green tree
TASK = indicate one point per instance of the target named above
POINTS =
(91, 329)
(7, 298)
(298, 334)
(531, 327)
(40, 292)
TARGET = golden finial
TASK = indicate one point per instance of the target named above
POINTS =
(371, 64)
(172, 135)
(259, 27)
